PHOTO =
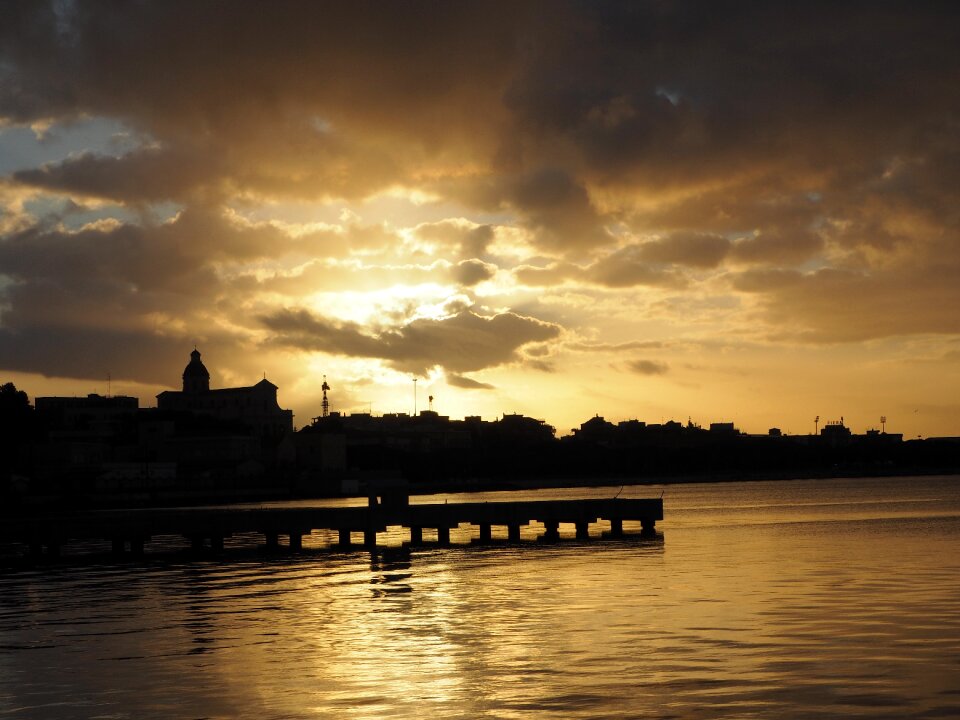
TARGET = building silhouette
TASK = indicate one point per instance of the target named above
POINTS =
(255, 406)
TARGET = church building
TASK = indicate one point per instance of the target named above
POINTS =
(254, 406)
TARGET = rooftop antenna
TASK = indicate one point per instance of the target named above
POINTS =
(414, 397)
(431, 403)
(325, 406)
(883, 423)
(816, 425)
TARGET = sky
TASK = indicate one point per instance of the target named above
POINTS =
(717, 211)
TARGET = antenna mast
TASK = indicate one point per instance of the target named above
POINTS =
(325, 406)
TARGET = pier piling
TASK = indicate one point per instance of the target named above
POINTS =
(44, 533)
(552, 533)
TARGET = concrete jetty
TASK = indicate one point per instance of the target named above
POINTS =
(130, 530)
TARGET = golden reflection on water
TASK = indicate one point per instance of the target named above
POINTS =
(763, 600)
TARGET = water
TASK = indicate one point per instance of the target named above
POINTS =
(796, 599)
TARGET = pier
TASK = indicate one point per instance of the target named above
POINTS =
(129, 531)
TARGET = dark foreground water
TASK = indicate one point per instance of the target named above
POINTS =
(800, 599)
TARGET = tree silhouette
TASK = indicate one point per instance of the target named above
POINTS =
(16, 428)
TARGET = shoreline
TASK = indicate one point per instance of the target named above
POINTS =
(368, 486)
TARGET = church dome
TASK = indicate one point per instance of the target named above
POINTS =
(196, 378)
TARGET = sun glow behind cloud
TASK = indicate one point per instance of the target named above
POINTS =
(532, 210)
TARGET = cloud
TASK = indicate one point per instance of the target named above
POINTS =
(460, 343)
(778, 248)
(331, 275)
(465, 238)
(620, 268)
(765, 280)
(558, 209)
(628, 266)
(697, 250)
(806, 153)
(461, 381)
(145, 175)
(648, 367)
(846, 306)
(92, 353)
(616, 347)
(472, 272)
(73, 299)
(552, 274)
(302, 107)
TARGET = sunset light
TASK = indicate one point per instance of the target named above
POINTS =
(494, 359)
(704, 239)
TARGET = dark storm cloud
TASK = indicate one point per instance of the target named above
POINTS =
(671, 93)
(558, 209)
(461, 343)
(340, 99)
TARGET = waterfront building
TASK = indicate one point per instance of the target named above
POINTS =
(255, 406)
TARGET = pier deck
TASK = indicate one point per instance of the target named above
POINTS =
(133, 528)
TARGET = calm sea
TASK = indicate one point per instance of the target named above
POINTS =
(797, 599)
